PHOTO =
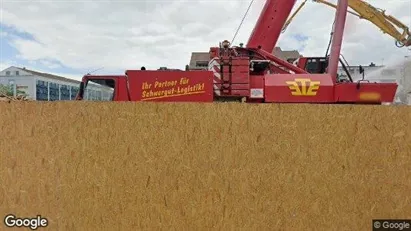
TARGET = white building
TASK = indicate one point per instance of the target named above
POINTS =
(47, 87)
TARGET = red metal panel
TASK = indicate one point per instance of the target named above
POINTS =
(365, 92)
(244, 93)
(237, 77)
(238, 68)
(120, 91)
(236, 83)
(241, 93)
(236, 86)
(240, 78)
(257, 86)
(302, 62)
(240, 61)
(302, 88)
(213, 52)
(235, 61)
(171, 86)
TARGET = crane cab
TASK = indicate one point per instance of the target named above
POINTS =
(313, 65)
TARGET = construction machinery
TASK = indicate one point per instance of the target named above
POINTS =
(252, 73)
(363, 10)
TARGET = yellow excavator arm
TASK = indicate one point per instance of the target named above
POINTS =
(388, 24)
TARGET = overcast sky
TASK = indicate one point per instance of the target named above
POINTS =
(74, 37)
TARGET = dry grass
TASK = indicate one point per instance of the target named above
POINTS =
(133, 166)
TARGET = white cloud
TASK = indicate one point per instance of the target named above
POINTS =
(120, 35)
(3, 34)
(4, 65)
(50, 64)
(70, 76)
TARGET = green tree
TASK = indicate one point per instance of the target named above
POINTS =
(8, 91)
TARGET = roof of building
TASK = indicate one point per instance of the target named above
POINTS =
(198, 56)
(284, 55)
(46, 75)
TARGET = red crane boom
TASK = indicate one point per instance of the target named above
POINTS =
(270, 23)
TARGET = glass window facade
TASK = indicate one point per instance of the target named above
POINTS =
(54, 91)
(51, 91)
(64, 92)
(74, 91)
(41, 90)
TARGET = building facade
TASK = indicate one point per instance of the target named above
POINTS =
(199, 61)
(40, 86)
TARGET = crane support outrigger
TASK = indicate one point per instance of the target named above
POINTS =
(363, 10)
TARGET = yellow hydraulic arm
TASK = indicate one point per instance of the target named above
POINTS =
(364, 10)
(293, 16)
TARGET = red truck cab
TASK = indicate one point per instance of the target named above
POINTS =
(153, 85)
(115, 84)
(313, 65)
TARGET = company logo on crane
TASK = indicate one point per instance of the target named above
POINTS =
(303, 87)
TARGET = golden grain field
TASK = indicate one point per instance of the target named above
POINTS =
(176, 166)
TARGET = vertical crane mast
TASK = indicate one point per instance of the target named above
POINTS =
(340, 19)
(270, 23)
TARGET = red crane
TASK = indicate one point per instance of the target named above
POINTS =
(269, 26)
(252, 73)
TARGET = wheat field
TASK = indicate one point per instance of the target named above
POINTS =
(187, 166)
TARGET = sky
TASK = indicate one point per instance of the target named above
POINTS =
(72, 38)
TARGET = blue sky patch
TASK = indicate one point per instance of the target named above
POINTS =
(10, 54)
(12, 31)
(300, 37)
